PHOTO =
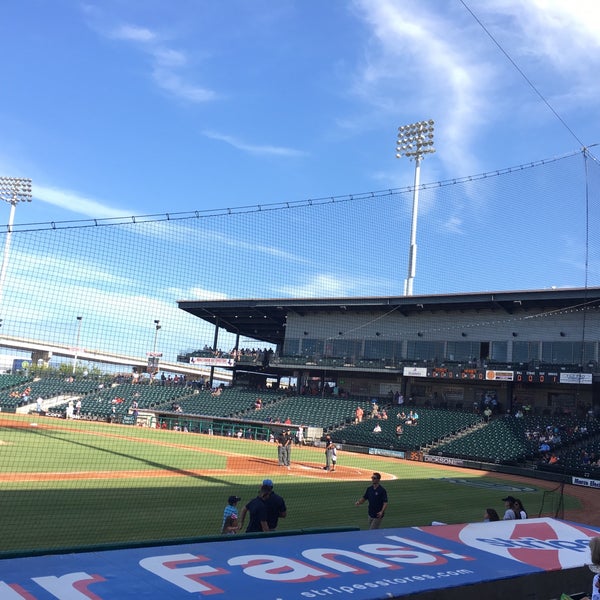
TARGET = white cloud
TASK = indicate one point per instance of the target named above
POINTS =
(197, 293)
(454, 225)
(133, 33)
(418, 58)
(179, 87)
(332, 286)
(76, 203)
(253, 148)
(167, 63)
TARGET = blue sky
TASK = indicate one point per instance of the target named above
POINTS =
(119, 108)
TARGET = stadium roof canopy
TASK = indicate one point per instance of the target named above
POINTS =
(265, 320)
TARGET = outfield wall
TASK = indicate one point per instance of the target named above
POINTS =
(544, 556)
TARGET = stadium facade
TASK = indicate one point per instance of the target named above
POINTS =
(539, 349)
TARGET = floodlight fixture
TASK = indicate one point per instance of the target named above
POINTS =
(12, 190)
(414, 141)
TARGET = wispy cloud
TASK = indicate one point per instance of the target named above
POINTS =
(333, 286)
(77, 203)
(132, 33)
(253, 148)
(167, 64)
(454, 225)
(196, 293)
(417, 58)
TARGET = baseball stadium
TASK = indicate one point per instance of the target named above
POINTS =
(134, 409)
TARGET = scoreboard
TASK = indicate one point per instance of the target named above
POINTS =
(537, 376)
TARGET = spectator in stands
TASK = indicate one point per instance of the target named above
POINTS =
(519, 509)
(257, 509)
(258, 404)
(230, 509)
(510, 513)
(377, 497)
(490, 515)
(359, 414)
(276, 508)
(377, 428)
(399, 430)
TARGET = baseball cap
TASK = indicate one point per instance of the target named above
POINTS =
(233, 499)
(508, 499)
(267, 482)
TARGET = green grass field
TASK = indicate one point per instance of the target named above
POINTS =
(162, 485)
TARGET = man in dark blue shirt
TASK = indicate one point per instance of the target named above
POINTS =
(276, 508)
(257, 509)
(377, 498)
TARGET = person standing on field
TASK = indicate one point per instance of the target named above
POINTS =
(280, 439)
(377, 497)
(329, 446)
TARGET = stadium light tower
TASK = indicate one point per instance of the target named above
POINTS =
(12, 190)
(157, 326)
(414, 141)
(79, 320)
(154, 356)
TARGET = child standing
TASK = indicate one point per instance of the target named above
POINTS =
(230, 510)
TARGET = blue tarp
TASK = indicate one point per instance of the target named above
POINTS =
(362, 565)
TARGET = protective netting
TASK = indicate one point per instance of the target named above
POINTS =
(103, 285)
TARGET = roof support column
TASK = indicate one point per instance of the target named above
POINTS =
(215, 348)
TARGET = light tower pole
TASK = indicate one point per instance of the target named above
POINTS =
(12, 190)
(79, 320)
(414, 141)
(155, 355)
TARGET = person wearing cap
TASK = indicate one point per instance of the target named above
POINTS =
(276, 508)
(287, 448)
(377, 497)
(280, 439)
(257, 509)
(510, 513)
(230, 509)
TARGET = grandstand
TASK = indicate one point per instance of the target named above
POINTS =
(442, 432)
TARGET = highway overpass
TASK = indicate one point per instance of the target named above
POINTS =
(44, 351)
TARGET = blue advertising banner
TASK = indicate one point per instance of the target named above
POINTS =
(362, 565)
